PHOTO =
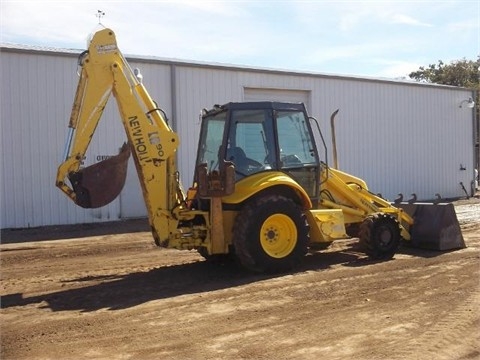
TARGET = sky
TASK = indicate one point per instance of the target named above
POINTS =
(387, 39)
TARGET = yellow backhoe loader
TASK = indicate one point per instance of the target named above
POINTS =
(262, 190)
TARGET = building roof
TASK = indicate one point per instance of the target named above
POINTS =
(47, 50)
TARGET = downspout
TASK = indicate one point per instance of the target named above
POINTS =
(173, 93)
(173, 97)
(476, 140)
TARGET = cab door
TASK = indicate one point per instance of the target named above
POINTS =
(297, 153)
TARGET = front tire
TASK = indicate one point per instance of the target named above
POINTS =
(270, 234)
(380, 236)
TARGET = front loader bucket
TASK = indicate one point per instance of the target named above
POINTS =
(435, 226)
(99, 184)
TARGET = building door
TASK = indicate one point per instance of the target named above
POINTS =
(287, 95)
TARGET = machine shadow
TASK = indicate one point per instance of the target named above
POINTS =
(65, 232)
(407, 249)
(116, 292)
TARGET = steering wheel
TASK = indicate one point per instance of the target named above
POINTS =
(249, 166)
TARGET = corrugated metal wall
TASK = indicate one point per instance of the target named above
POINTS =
(404, 138)
(35, 110)
(398, 137)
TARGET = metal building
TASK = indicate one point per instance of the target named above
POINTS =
(401, 137)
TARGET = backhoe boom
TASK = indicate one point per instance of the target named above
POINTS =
(104, 71)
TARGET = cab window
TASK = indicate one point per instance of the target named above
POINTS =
(294, 140)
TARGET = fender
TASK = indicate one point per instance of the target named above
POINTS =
(253, 184)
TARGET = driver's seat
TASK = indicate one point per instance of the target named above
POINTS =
(238, 157)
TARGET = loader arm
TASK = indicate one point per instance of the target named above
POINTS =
(104, 71)
(426, 225)
(349, 193)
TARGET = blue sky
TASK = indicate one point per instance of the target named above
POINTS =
(366, 38)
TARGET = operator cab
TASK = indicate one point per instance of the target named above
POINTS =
(259, 137)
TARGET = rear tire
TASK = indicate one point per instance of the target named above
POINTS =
(270, 234)
(380, 236)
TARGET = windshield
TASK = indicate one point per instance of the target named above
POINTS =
(210, 141)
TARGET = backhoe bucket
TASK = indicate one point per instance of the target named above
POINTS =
(435, 226)
(99, 184)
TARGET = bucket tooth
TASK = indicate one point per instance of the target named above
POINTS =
(99, 184)
(413, 199)
(399, 199)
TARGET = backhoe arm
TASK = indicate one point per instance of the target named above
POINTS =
(93, 92)
(153, 143)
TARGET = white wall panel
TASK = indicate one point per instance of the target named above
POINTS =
(35, 111)
(198, 88)
(36, 107)
(405, 139)
(262, 94)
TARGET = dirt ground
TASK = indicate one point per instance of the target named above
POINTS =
(106, 292)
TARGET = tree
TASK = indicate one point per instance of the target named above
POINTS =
(465, 73)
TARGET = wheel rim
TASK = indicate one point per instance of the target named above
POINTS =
(278, 235)
(384, 237)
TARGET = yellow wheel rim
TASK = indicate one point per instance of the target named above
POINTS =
(278, 236)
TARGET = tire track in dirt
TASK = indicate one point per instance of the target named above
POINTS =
(447, 339)
(118, 297)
